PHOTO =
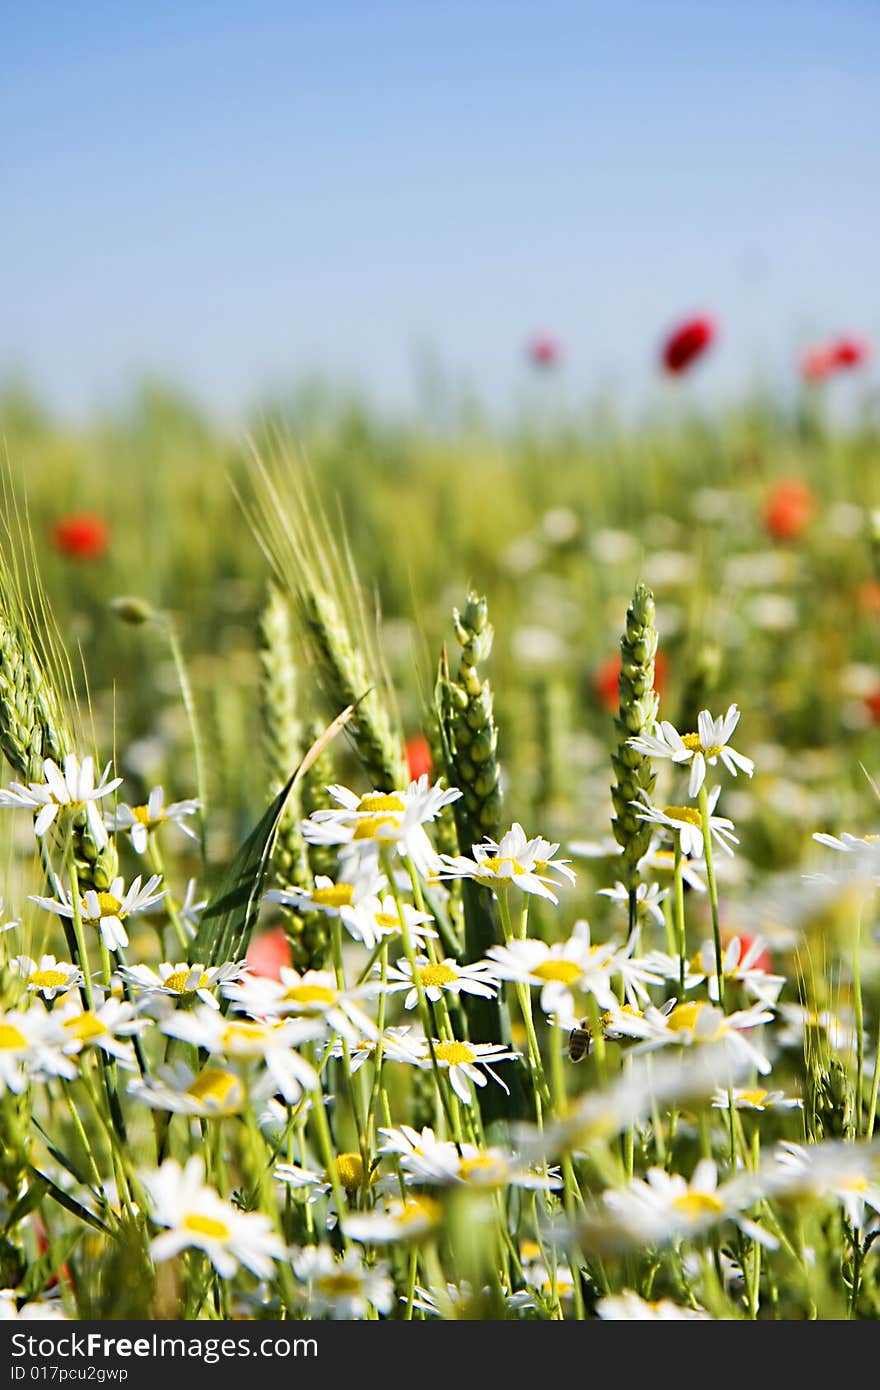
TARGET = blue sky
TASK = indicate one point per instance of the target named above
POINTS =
(235, 196)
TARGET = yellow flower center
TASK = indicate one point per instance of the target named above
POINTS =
(437, 975)
(372, 828)
(454, 1053)
(564, 972)
(689, 814)
(755, 1098)
(235, 1034)
(350, 1171)
(108, 905)
(494, 866)
(388, 920)
(339, 1285)
(698, 1204)
(213, 1086)
(85, 1027)
(482, 1166)
(11, 1037)
(663, 859)
(694, 745)
(684, 1017)
(381, 801)
(206, 1226)
(47, 979)
(142, 814)
(337, 895)
(419, 1210)
(310, 994)
(856, 1184)
(177, 982)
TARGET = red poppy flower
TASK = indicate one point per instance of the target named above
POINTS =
(849, 352)
(605, 679)
(268, 952)
(789, 509)
(544, 350)
(872, 705)
(843, 354)
(83, 536)
(817, 364)
(418, 756)
(687, 342)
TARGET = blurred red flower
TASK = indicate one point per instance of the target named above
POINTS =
(842, 354)
(605, 679)
(418, 756)
(869, 596)
(788, 509)
(268, 952)
(82, 535)
(544, 350)
(817, 364)
(687, 342)
(850, 352)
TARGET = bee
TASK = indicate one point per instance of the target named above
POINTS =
(580, 1040)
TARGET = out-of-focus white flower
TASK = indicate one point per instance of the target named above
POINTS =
(196, 1216)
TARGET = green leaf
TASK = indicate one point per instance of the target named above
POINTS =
(64, 1159)
(70, 1204)
(43, 1269)
(228, 921)
(26, 1203)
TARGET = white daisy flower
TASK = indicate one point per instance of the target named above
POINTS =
(796, 1020)
(313, 996)
(40, 1310)
(701, 750)
(740, 965)
(109, 1026)
(177, 1088)
(326, 896)
(662, 861)
(181, 982)
(650, 898)
(685, 821)
(628, 1306)
(400, 1219)
(107, 910)
(425, 1159)
(71, 789)
(270, 1042)
(848, 1172)
(190, 910)
(514, 860)
(48, 976)
(636, 972)
(344, 1287)
(698, 1022)
(849, 844)
(468, 1061)
(665, 1207)
(397, 1046)
(197, 1217)
(139, 821)
(754, 1098)
(559, 970)
(363, 825)
(374, 919)
(30, 1049)
(441, 977)
(349, 1173)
